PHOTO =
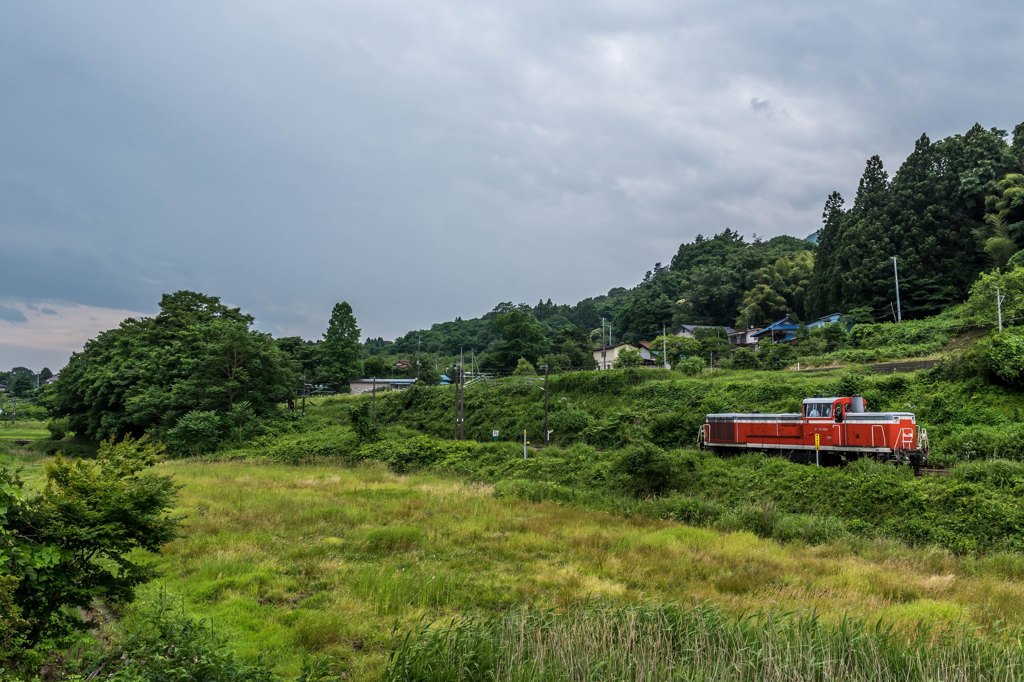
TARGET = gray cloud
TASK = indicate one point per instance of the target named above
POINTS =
(429, 160)
(12, 314)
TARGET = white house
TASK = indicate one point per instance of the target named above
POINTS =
(606, 355)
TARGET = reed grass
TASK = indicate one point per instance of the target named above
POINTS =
(670, 642)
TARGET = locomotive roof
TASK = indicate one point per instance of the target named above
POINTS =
(823, 399)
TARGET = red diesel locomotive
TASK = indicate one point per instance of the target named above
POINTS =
(828, 430)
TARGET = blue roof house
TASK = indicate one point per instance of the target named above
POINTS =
(784, 330)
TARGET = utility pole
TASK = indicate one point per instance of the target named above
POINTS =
(604, 348)
(999, 308)
(455, 404)
(896, 272)
(462, 397)
(303, 394)
(546, 432)
(373, 400)
(664, 346)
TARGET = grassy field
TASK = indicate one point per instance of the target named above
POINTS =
(23, 430)
(294, 563)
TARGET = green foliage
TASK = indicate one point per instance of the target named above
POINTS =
(197, 433)
(689, 366)
(363, 425)
(242, 423)
(340, 350)
(522, 337)
(678, 348)
(644, 470)
(12, 626)
(196, 354)
(929, 216)
(524, 369)
(58, 428)
(1005, 355)
(569, 425)
(628, 357)
(1005, 209)
(376, 366)
(160, 642)
(73, 542)
(776, 356)
(981, 304)
(779, 289)
(701, 642)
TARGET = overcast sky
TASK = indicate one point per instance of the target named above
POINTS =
(426, 160)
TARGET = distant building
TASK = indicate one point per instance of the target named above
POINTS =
(784, 330)
(358, 386)
(689, 331)
(3, 388)
(744, 337)
(606, 355)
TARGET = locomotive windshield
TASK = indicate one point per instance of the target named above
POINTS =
(818, 409)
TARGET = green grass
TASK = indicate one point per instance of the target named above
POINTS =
(293, 563)
(698, 643)
(23, 430)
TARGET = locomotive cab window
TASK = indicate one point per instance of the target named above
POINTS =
(818, 410)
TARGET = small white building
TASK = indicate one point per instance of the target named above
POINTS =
(606, 355)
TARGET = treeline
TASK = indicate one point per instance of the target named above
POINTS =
(953, 209)
(22, 382)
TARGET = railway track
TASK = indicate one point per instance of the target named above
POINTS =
(932, 471)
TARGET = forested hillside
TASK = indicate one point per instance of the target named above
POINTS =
(953, 209)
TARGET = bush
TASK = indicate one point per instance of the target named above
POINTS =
(159, 642)
(673, 430)
(242, 423)
(76, 542)
(690, 366)
(196, 433)
(569, 424)
(1005, 355)
(693, 510)
(524, 369)
(58, 428)
(760, 519)
(644, 470)
(332, 443)
(362, 422)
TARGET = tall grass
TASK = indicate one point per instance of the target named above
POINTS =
(705, 643)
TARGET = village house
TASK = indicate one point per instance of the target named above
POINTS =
(784, 330)
(605, 356)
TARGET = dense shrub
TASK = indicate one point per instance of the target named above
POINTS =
(333, 442)
(644, 470)
(159, 642)
(569, 424)
(58, 428)
(363, 425)
(242, 423)
(1004, 354)
(196, 433)
(76, 541)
